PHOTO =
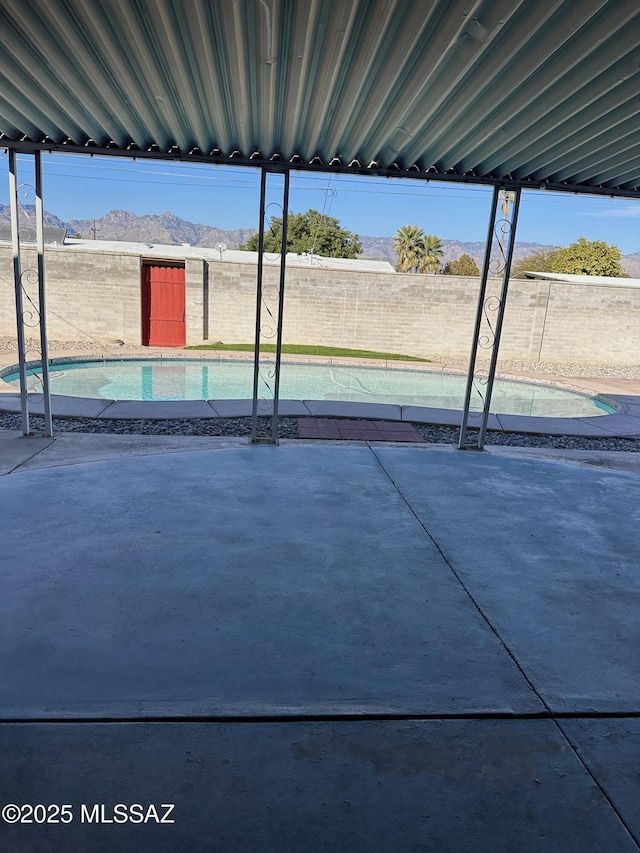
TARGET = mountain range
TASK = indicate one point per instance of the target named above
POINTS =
(169, 229)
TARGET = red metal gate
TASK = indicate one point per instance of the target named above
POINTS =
(163, 306)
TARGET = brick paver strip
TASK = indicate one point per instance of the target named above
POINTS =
(331, 428)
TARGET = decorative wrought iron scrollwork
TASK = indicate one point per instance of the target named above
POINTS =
(269, 219)
(269, 327)
(30, 317)
(30, 281)
(490, 312)
(27, 228)
(480, 380)
(270, 300)
(499, 260)
(488, 339)
(35, 387)
(26, 196)
(268, 331)
(502, 235)
(269, 310)
(266, 378)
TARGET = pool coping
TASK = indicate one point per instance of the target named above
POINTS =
(624, 423)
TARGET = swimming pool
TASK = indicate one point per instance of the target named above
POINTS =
(221, 379)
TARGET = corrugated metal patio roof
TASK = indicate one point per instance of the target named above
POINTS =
(537, 92)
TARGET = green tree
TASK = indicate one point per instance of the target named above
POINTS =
(416, 252)
(540, 261)
(464, 265)
(589, 257)
(584, 257)
(409, 247)
(309, 232)
(433, 249)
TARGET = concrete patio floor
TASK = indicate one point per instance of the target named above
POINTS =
(320, 647)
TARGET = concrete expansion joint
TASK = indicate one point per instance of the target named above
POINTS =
(363, 716)
(36, 452)
(456, 574)
(603, 791)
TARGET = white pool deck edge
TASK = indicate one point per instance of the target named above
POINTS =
(624, 393)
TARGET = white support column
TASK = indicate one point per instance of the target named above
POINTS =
(17, 281)
(481, 382)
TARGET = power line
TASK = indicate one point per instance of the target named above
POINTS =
(102, 165)
(418, 191)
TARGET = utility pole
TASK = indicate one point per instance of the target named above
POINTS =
(94, 230)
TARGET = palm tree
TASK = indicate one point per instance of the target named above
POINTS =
(409, 248)
(433, 250)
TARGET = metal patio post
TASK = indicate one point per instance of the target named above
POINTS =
(272, 325)
(256, 351)
(17, 281)
(44, 344)
(490, 340)
(283, 267)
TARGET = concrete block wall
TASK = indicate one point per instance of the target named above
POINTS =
(196, 296)
(415, 315)
(96, 296)
(592, 323)
(353, 309)
(396, 313)
(232, 301)
(90, 296)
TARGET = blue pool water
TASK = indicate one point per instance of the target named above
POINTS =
(213, 379)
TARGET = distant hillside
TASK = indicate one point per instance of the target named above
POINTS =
(631, 264)
(30, 213)
(169, 229)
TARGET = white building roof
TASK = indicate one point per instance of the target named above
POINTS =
(234, 256)
(567, 278)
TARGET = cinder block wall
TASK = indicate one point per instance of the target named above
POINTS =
(93, 296)
(97, 296)
(231, 290)
(419, 315)
(592, 323)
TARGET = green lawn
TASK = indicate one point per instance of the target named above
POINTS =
(305, 349)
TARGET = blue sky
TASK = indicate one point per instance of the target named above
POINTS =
(82, 187)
